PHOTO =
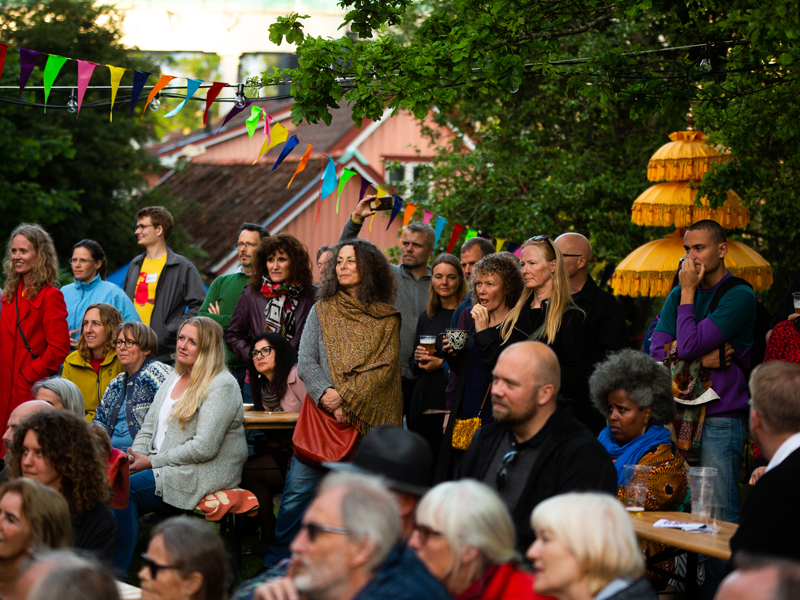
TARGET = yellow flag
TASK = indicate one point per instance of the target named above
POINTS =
(279, 135)
(116, 75)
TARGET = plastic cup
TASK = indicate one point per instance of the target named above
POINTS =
(702, 481)
(715, 519)
(796, 299)
(636, 477)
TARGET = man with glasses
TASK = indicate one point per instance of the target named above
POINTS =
(165, 287)
(534, 450)
(607, 328)
(225, 291)
(349, 547)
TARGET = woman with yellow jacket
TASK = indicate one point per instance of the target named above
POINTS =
(94, 364)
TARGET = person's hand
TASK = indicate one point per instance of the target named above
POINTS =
(757, 473)
(339, 414)
(421, 356)
(792, 317)
(213, 308)
(331, 400)
(689, 278)
(481, 316)
(363, 210)
(73, 341)
(711, 360)
(431, 364)
(277, 589)
(444, 424)
(446, 347)
(138, 462)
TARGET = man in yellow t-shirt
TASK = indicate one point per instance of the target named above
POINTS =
(165, 287)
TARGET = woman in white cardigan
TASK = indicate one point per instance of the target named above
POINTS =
(192, 440)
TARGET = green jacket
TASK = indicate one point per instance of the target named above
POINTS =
(225, 290)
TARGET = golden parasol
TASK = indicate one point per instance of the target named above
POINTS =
(686, 158)
(649, 270)
(673, 203)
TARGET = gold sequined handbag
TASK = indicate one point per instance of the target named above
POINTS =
(464, 429)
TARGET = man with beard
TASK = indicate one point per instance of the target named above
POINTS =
(534, 449)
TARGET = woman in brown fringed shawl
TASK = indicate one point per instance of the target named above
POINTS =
(349, 353)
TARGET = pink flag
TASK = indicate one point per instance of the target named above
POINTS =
(428, 216)
(85, 70)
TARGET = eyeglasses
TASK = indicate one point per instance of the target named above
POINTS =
(154, 566)
(142, 227)
(241, 245)
(424, 532)
(502, 475)
(314, 529)
(264, 352)
(80, 261)
(128, 343)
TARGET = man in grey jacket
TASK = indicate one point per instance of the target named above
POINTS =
(413, 283)
(165, 287)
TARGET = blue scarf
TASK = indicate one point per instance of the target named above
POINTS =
(633, 451)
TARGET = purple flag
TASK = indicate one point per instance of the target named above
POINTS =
(27, 60)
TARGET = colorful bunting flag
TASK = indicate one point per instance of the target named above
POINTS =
(85, 70)
(212, 94)
(252, 121)
(518, 252)
(381, 191)
(116, 76)
(160, 84)
(471, 233)
(290, 144)
(512, 246)
(234, 111)
(428, 215)
(51, 69)
(364, 185)
(27, 60)
(302, 164)
(139, 80)
(440, 223)
(410, 208)
(343, 182)
(3, 48)
(328, 180)
(398, 204)
(192, 85)
(457, 229)
(498, 244)
(280, 135)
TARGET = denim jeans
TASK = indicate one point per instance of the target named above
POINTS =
(301, 483)
(142, 498)
(722, 447)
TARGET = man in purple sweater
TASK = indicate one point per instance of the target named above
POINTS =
(686, 317)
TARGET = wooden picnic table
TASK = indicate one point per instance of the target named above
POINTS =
(259, 419)
(716, 545)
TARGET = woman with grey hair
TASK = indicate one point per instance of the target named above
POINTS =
(464, 535)
(61, 393)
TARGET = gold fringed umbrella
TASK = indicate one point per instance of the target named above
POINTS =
(673, 204)
(649, 270)
(686, 158)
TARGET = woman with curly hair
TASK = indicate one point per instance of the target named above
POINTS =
(59, 449)
(496, 286)
(278, 298)
(34, 339)
(94, 364)
(634, 394)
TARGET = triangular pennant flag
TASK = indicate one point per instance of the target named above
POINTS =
(440, 223)
(398, 204)
(116, 76)
(234, 111)
(27, 60)
(85, 70)
(381, 191)
(3, 48)
(410, 208)
(518, 252)
(279, 135)
(364, 185)
(512, 246)
(471, 233)
(319, 204)
(290, 144)
(139, 80)
(51, 69)
(498, 244)
(343, 182)
(328, 180)
(267, 125)
(302, 164)
(428, 216)
(457, 229)
(252, 121)
(192, 85)
(162, 81)
(212, 94)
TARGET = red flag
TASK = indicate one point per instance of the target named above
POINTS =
(212, 94)
(457, 229)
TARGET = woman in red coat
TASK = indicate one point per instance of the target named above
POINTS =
(34, 337)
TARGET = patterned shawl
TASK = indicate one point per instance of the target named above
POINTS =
(363, 348)
(282, 301)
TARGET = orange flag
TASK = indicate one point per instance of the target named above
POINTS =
(410, 208)
(162, 81)
(302, 165)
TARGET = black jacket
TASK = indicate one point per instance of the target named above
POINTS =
(570, 459)
(608, 331)
(770, 524)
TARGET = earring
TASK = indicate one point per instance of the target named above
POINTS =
(259, 375)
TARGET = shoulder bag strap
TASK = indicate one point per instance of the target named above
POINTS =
(19, 327)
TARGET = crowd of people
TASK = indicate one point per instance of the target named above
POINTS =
(482, 413)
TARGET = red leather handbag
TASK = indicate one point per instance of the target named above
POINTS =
(319, 437)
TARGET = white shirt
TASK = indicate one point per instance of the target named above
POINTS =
(163, 417)
(786, 448)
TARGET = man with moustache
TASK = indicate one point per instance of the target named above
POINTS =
(224, 293)
(534, 449)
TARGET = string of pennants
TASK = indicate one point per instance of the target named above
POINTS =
(333, 176)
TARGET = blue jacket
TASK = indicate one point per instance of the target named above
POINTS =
(403, 577)
(78, 296)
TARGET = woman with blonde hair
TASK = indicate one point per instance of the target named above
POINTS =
(192, 440)
(586, 549)
(34, 338)
(545, 312)
(94, 364)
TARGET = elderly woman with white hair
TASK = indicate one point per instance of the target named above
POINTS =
(586, 549)
(465, 536)
(61, 393)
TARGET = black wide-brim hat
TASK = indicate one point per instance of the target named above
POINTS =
(402, 458)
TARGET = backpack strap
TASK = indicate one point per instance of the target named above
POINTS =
(19, 327)
(727, 285)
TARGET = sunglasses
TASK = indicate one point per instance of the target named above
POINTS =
(424, 532)
(543, 238)
(502, 475)
(314, 529)
(154, 566)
